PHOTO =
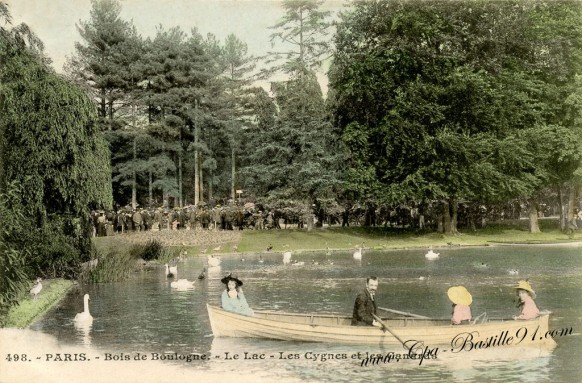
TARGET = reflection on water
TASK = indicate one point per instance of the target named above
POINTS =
(84, 332)
(147, 315)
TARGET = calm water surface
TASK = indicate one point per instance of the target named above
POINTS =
(146, 315)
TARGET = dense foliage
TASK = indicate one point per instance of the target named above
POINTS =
(54, 165)
(454, 101)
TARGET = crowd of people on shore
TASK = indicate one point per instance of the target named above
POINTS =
(229, 217)
(238, 216)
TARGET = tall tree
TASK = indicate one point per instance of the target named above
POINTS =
(103, 60)
(555, 35)
(298, 156)
(106, 65)
(177, 70)
(237, 66)
(435, 99)
(302, 34)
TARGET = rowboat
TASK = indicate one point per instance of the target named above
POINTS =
(403, 329)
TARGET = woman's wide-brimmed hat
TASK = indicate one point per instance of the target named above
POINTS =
(459, 295)
(229, 278)
(524, 285)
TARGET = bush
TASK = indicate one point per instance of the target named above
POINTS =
(115, 265)
(13, 258)
(153, 249)
(112, 267)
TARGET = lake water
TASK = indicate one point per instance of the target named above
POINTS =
(145, 315)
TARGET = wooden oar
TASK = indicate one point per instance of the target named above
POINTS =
(404, 313)
(385, 327)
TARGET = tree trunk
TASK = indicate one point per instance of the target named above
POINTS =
(110, 105)
(200, 179)
(454, 208)
(446, 218)
(102, 106)
(232, 173)
(150, 188)
(210, 178)
(562, 209)
(196, 170)
(134, 177)
(180, 202)
(571, 204)
(534, 226)
(309, 216)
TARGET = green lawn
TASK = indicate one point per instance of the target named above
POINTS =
(380, 238)
(338, 238)
(29, 309)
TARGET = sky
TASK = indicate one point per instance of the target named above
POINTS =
(54, 21)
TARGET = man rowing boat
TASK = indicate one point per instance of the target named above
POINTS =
(365, 305)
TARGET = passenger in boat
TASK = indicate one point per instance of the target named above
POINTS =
(233, 298)
(462, 300)
(529, 309)
(365, 305)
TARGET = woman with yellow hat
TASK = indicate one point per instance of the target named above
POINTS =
(461, 299)
(529, 309)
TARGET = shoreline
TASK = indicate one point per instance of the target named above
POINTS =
(50, 297)
(28, 310)
(222, 242)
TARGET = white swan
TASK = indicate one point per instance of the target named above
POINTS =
(286, 257)
(358, 254)
(36, 288)
(182, 284)
(213, 261)
(85, 316)
(431, 255)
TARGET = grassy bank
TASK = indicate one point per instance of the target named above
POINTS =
(337, 238)
(29, 309)
(381, 238)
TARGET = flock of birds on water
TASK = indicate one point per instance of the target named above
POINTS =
(84, 318)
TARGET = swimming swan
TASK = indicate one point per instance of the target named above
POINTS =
(182, 284)
(286, 257)
(85, 316)
(213, 261)
(358, 254)
(431, 255)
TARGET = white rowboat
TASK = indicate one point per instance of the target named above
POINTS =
(337, 329)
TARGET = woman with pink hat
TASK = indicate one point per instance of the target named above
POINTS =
(461, 299)
(529, 310)
(233, 298)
